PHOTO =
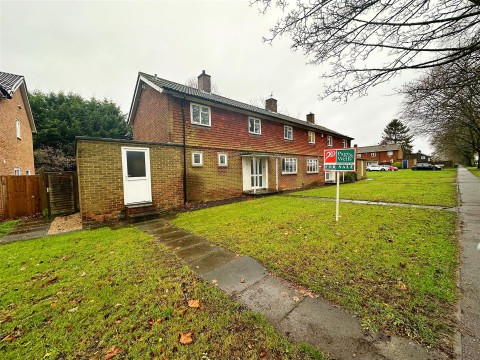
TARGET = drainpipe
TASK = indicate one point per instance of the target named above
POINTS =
(184, 154)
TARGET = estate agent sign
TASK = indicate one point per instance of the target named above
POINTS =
(339, 160)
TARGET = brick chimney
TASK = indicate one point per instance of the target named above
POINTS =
(311, 118)
(204, 83)
(355, 145)
(271, 104)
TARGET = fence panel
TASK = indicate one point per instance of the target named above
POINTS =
(20, 196)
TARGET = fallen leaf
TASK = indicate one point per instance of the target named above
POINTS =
(6, 319)
(296, 299)
(23, 268)
(83, 274)
(113, 351)
(11, 336)
(263, 353)
(194, 303)
(403, 287)
(214, 281)
(250, 346)
(72, 310)
(242, 280)
(186, 338)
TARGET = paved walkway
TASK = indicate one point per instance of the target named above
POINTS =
(27, 229)
(301, 317)
(469, 188)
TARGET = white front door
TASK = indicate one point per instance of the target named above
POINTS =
(255, 173)
(137, 187)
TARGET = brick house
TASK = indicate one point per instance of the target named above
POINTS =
(193, 146)
(230, 147)
(16, 127)
(380, 154)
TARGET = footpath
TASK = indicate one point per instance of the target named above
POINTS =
(301, 316)
(469, 189)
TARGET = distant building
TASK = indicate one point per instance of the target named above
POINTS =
(16, 127)
(380, 154)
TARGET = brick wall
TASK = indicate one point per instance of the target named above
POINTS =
(100, 177)
(15, 152)
(382, 157)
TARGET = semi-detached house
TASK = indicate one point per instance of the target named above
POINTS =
(230, 147)
(193, 146)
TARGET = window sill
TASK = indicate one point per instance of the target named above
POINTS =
(289, 173)
(312, 172)
(287, 139)
(201, 125)
(255, 134)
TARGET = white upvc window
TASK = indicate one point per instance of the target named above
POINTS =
(254, 126)
(197, 159)
(287, 132)
(27, 172)
(312, 166)
(200, 114)
(422, 157)
(311, 137)
(18, 129)
(222, 160)
(359, 155)
(345, 143)
(329, 141)
(289, 166)
(17, 171)
(373, 154)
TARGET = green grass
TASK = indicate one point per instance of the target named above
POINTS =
(7, 226)
(404, 186)
(77, 295)
(475, 171)
(394, 267)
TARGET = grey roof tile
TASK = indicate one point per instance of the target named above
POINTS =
(187, 90)
(378, 148)
(9, 83)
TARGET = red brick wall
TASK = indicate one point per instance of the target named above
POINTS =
(100, 177)
(15, 152)
(152, 107)
(381, 157)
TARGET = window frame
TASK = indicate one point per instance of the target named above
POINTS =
(314, 162)
(345, 143)
(390, 153)
(373, 154)
(200, 120)
(284, 166)
(17, 171)
(329, 140)
(285, 132)
(18, 129)
(27, 172)
(194, 164)
(311, 134)
(226, 160)
(250, 118)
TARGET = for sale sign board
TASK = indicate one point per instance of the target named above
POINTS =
(339, 160)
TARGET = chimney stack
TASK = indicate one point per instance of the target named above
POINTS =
(271, 104)
(355, 145)
(204, 83)
(311, 118)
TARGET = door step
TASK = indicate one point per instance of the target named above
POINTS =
(141, 212)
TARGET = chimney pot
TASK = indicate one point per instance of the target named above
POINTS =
(311, 118)
(271, 104)
(204, 82)
(355, 145)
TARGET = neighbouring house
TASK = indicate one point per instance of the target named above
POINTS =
(192, 146)
(16, 127)
(380, 154)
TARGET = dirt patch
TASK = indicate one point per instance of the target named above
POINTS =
(63, 224)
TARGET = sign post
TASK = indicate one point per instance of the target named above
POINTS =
(338, 160)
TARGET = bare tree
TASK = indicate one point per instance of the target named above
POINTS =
(193, 82)
(367, 42)
(445, 104)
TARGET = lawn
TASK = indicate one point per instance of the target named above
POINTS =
(475, 171)
(403, 186)
(6, 227)
(120, 294)
(394, 267)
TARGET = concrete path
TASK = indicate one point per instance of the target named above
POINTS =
(300, 315)
(469, 188)
(27, 229)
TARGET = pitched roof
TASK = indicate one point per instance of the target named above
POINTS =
(174, 87)
(9, 83)
(378, 148)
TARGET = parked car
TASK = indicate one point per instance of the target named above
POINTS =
(425, 166)
(392, 168)
(375, 168)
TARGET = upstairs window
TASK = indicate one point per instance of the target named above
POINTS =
(373, 154)
(27, 172)
(311, 137)
(200, 114)
(18, 129)
(389, 153)
(345, 143)
(254, 126)
(288, 132)
(17, 171)
(289, 166)
(222, 160)
(329, 141)
(197, 159)
(312, 166)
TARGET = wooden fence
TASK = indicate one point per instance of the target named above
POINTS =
(47, 193)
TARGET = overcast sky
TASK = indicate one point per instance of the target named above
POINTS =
(97, 48)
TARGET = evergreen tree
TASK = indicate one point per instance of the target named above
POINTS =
(398, 133)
